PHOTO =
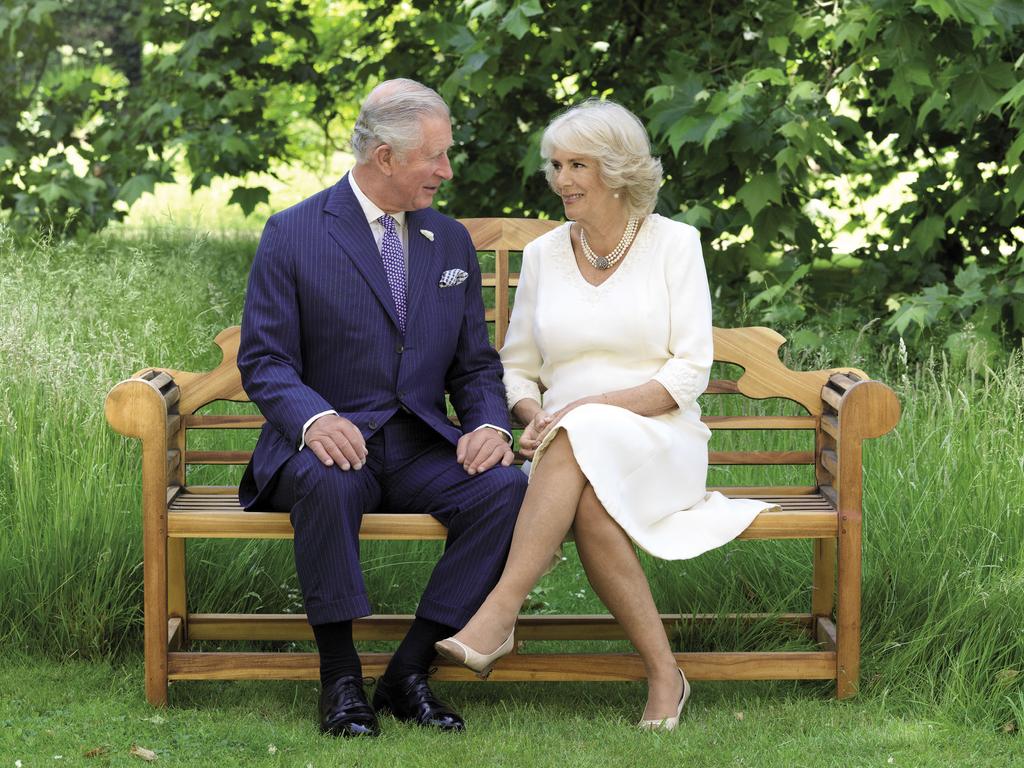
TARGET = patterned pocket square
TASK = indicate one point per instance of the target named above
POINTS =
(452, 277)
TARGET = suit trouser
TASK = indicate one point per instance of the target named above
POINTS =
(409, 469)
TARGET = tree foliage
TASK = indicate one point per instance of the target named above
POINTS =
(776, 121)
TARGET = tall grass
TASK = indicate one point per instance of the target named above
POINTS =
(943, 606)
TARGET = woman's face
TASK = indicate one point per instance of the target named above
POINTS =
(577, 180)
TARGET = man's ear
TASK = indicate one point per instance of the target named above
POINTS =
(384, 158)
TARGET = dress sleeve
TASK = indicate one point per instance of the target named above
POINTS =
(691, 345)
(520, 355)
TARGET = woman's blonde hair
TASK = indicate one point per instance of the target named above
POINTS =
(617, 140)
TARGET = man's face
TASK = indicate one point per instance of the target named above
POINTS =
(416, 177)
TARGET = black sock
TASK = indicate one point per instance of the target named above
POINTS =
(338, 655)
(416, 651)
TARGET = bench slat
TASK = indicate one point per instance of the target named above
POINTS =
(760, 457)
(294, 626)
(777, 665)
(760, 422)
(254, 421)
(731, 458)
(217, 457)
(210, 516)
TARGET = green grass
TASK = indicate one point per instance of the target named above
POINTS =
(75, 708)
(943, 567)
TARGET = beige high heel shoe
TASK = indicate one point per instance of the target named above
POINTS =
(668, 723)
(481, 663)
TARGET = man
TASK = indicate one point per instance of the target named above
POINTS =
(363, 307)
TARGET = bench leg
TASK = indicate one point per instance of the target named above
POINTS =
(154, 579)
(848, 607)
(177, 603)
(824, 582)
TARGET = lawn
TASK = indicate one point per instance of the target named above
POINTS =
(94, 714)
(943, 566)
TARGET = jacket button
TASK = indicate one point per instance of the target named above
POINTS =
(373, 425)
(399, 348)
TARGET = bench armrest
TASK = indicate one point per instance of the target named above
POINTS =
(144, 407)
(854, 410)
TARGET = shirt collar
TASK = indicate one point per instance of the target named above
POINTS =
(370, 209)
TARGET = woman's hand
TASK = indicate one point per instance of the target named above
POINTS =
(559, 414)
(534, 431)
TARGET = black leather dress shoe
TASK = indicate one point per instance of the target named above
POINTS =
(344, 710)
(410, 698)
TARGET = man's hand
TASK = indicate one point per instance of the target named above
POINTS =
(480, 450)
(336, 440)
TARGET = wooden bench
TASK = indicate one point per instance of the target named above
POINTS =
(163, 407)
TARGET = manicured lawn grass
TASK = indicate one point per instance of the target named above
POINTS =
(943, 654)
(76, 708)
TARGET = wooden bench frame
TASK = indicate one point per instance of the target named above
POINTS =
(160, 406)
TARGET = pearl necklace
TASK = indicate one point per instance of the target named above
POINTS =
(606, 262)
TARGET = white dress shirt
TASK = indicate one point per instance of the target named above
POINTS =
(373, 212)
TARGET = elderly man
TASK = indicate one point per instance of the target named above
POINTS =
(363, 308)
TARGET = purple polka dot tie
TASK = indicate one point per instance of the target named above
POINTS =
(394, 265)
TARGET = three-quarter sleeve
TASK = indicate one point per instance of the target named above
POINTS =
(686, 373)
(520, 355)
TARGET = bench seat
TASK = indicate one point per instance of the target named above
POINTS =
(200, 515)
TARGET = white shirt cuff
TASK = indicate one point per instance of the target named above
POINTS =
(505, 432)
(302, 440)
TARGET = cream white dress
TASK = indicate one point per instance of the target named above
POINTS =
(651, 319)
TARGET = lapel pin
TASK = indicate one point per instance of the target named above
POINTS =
(427, 234)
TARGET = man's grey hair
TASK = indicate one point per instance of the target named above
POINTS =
(391, 115)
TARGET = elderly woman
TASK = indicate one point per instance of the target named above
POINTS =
(612, 321)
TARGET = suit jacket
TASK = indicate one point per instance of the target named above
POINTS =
(320, 330)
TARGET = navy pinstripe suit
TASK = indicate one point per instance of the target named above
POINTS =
(320, 332)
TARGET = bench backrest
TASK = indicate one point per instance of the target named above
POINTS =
(755, 350)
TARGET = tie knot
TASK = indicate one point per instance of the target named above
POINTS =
(388, 222)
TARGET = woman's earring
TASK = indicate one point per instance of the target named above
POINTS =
(616, 195)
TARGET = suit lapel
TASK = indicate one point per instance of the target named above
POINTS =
(349, 228)
(424, 265)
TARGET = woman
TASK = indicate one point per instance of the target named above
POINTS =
(613, 319)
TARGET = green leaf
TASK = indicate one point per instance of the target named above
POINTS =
(778, 45)
(759, 192)
(940, 8)
(788, 157)
(974, 11)
(135, 187)
(517, 21)
(696, 216)
(486, 9)
(51, 192)
(249, 197)
(1012, 96)
(774, 75)
(927, 232)
(849, 32)
(806, 338)
(961, 208)
(804, 90)
(531, 8)
(516, 24)
(689, 130)
(41, 8)
(1016, 148)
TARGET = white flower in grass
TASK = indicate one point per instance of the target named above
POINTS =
(272, 749)
(427, 234)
